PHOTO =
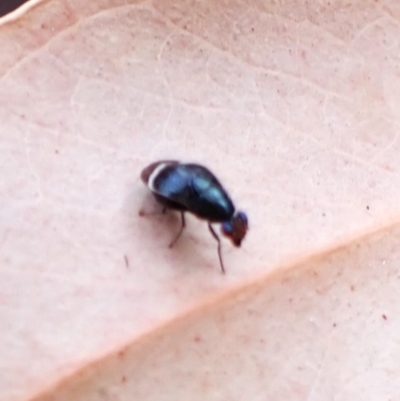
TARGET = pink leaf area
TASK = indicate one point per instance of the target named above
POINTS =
(294, 106)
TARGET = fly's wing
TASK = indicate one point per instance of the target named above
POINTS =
(173, 183)
(196, 189)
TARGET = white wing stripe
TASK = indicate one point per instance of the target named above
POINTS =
(154, 175)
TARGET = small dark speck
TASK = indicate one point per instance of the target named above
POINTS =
(126, 261)
(197, 339)
(352, 287)
(252, 29)
(123, 379)
(367, 207)
(384, 317)
(334, 325)
(323, 214)
(56, 151)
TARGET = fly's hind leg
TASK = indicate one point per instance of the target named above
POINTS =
(183, 225)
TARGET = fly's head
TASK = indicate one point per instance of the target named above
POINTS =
(235, 229)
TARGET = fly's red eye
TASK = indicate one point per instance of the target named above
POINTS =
(236, 228)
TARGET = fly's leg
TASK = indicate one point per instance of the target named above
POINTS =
(183, 225)
(219, 246)
(143, 213)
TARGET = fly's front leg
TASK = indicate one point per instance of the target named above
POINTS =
(214, 234)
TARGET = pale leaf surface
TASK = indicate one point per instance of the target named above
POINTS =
(294, 106)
